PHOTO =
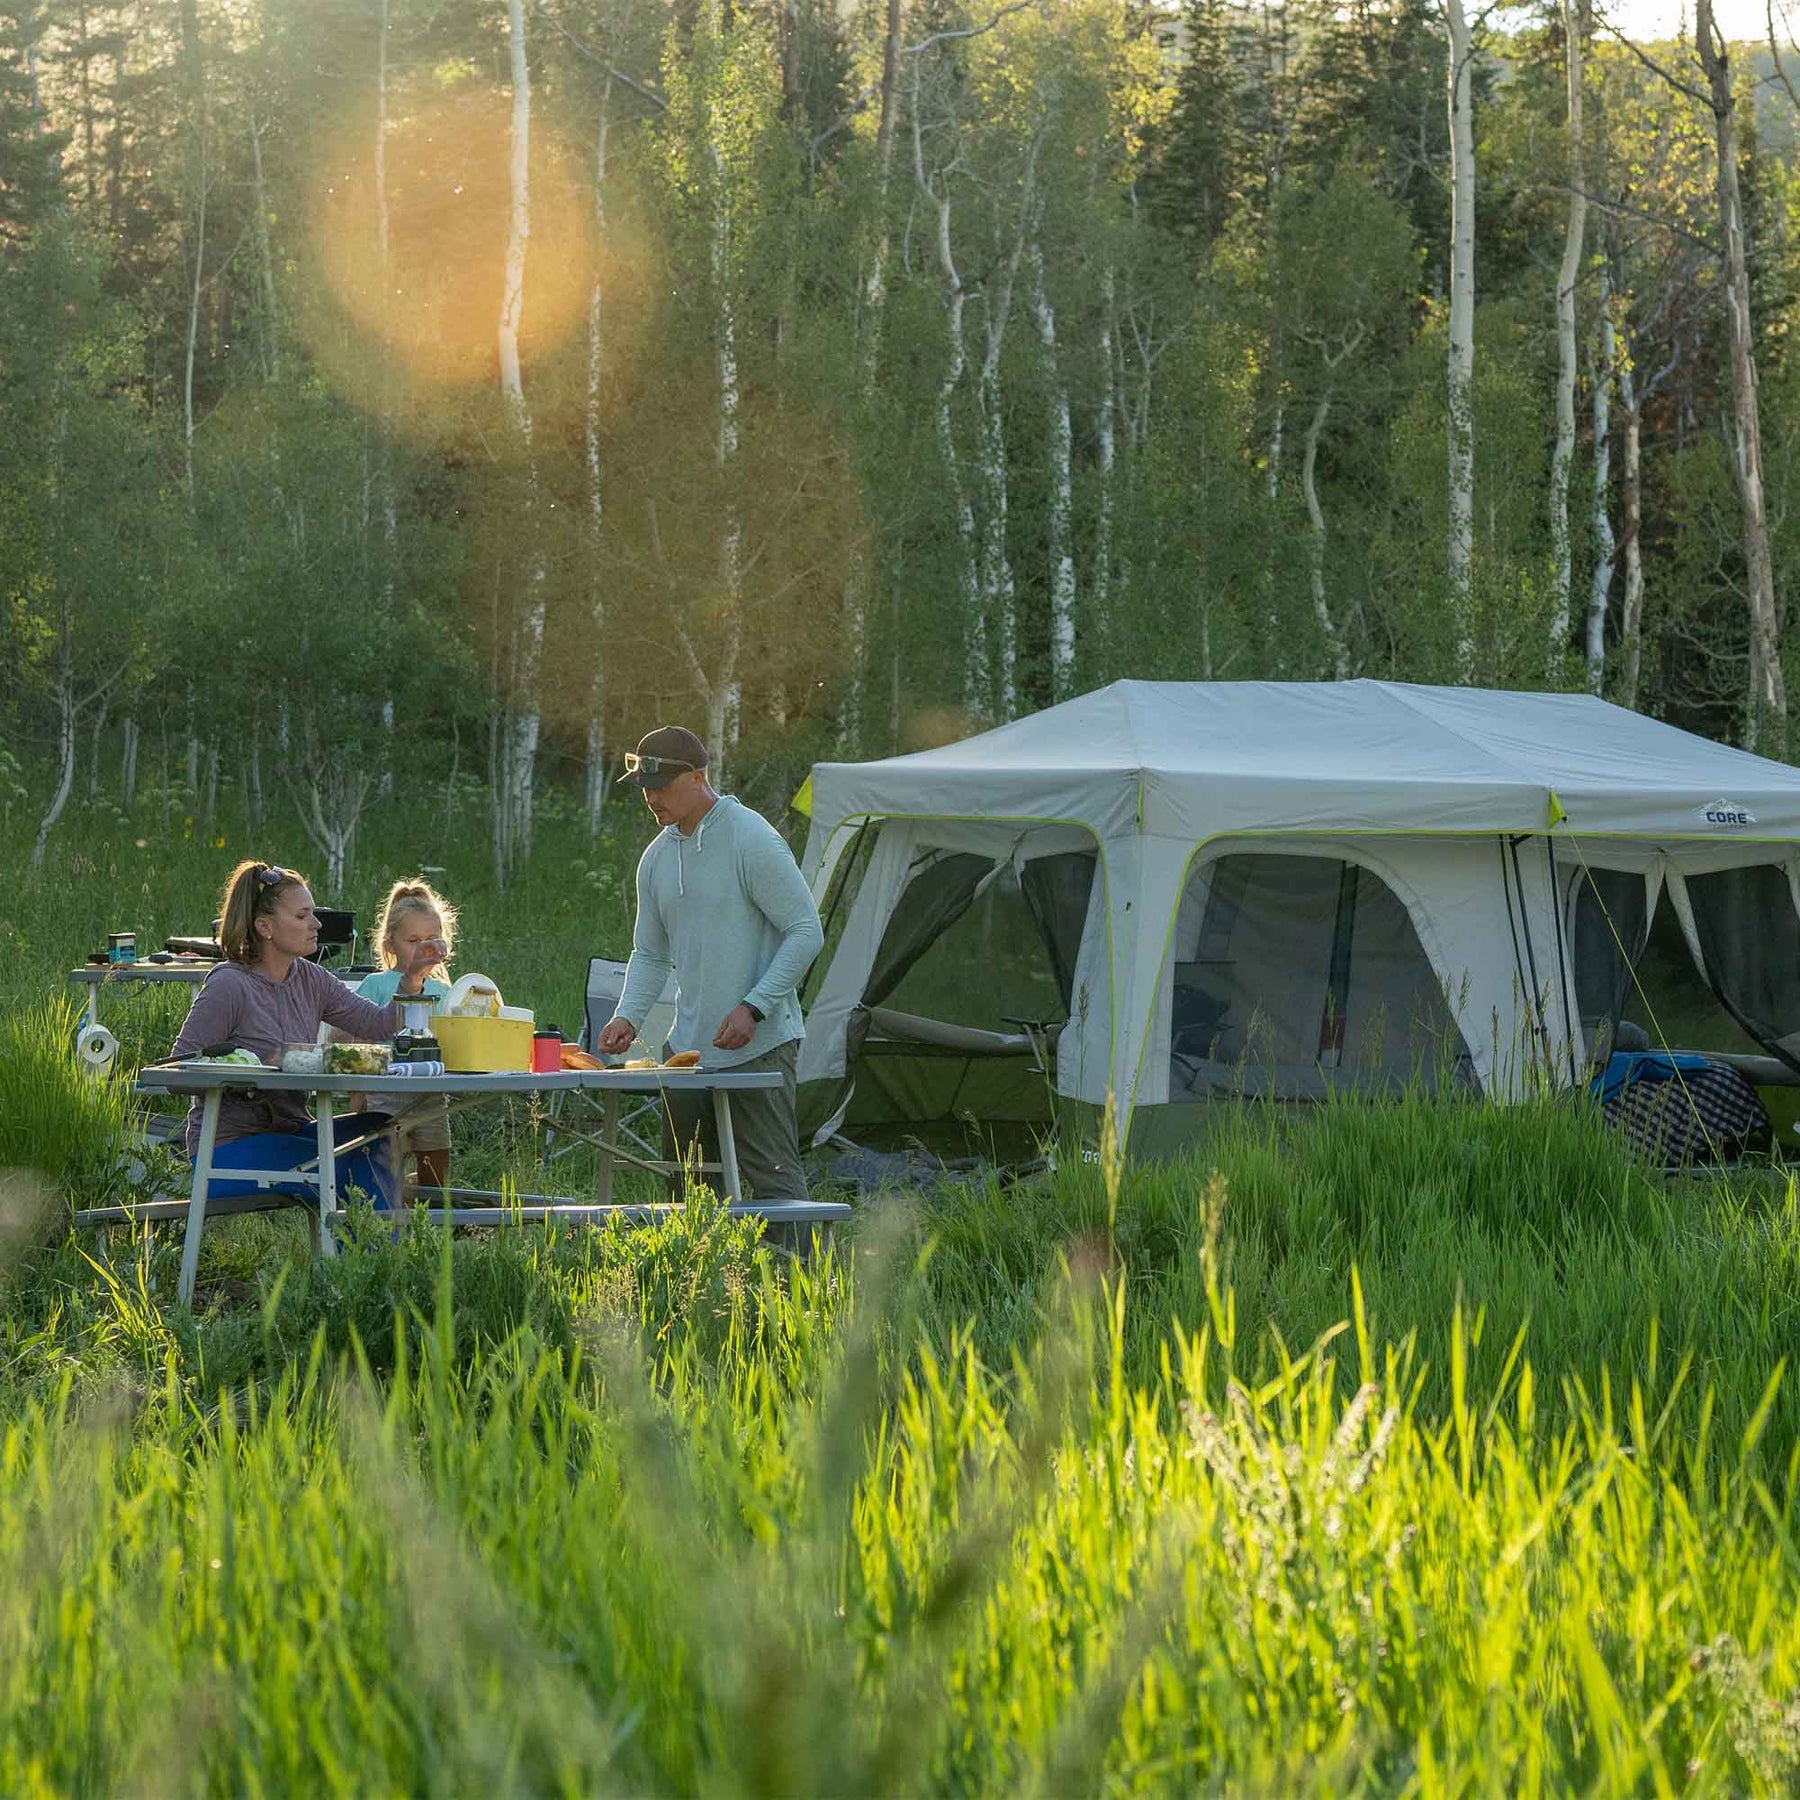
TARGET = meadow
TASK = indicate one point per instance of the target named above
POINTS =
(1428, 1448)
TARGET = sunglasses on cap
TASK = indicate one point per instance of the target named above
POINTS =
(655, 765)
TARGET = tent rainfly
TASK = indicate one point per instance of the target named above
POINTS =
(1164, 891)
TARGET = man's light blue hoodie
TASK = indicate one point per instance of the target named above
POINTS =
(728, 910)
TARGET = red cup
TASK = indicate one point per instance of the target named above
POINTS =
(546, 1050)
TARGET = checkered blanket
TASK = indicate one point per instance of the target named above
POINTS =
(1675, 1111)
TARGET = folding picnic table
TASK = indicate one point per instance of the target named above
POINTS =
(211, 1080)
(97, 976)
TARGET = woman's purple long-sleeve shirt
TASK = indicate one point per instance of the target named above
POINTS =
(239, 1005)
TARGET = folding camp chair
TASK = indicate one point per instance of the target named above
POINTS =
(640, 1121)
(605, 983)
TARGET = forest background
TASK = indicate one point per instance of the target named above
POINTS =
(406, 397)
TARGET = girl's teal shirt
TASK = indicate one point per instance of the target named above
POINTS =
(384, 984)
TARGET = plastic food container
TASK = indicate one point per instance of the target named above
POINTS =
(302, 1059)
(484, 1046)
(471, 996)
(357, 1059)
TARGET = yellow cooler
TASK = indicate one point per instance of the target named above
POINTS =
(483, 1046)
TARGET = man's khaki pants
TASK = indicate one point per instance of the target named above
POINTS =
(762, 1123)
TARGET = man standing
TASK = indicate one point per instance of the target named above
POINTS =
(720, 900)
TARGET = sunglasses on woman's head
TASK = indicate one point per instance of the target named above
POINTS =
(653, 765)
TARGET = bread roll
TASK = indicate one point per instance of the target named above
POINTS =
(683, 1059)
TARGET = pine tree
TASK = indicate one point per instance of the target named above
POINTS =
(30, 152)
(1198, 174)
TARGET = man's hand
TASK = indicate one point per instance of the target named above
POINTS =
(739, 1028)
(616, 1037)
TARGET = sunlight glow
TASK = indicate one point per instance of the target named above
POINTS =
(436, 305)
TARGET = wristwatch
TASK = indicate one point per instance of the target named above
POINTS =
(755, 1011)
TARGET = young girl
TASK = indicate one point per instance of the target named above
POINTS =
(414, 931)
(266, 994)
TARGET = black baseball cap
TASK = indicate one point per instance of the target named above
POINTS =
(661, 755)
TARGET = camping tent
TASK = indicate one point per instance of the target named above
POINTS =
(1164, 891)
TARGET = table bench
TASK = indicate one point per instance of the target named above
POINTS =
(209, 1081)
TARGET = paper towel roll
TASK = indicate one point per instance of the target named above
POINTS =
(96, 1049)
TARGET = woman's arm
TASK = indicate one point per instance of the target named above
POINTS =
(350, 1012)
(212, 1019)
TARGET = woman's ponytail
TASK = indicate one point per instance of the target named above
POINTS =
(251, 890)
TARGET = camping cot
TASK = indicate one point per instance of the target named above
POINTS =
(1163, 892)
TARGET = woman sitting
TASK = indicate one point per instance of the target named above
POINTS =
(264, 995)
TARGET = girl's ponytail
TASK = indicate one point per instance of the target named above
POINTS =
(403, 899)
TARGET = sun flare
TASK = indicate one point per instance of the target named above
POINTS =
(432, 299)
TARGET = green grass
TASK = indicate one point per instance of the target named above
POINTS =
(1419, 1448)
(55, 1123)
(584, 1527)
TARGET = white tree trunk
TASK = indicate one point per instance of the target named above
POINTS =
(875, 285)
(500, 787)
(718, 690)
(1600, 588)
(1460, 371)
(724, 709)
(94, 759)
(128, 762)
(1567, 278)
(192, 769)
(999, 598)
(859, 589)
(997, 594)
(856, 635)
(518, 763)
(266, 255)
(1765, 706)
(976, 685)
(1062, 494)
(598, 783)
(381, 119)
(1309, 462)
(390, 520)
(331, 806)
(1106, 433)
(196, 76)
(1631, 622)
(512, 297)
(65, 749)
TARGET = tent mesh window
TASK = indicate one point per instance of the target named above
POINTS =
(1609, 925)
(1305, 973)
(1750, 939)
(1668, 1005)
(840, 898)
(974, 946)
(979, 942)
